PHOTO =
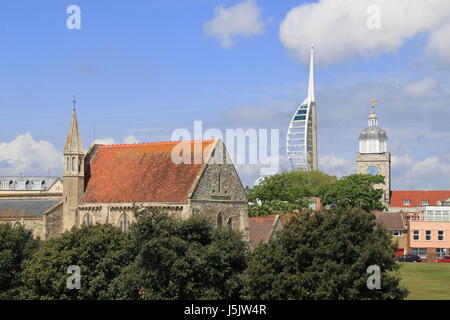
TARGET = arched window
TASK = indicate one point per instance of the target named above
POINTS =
(124, 222)
(28, 185)
(43, 185)
(219, 219)
(87, 221)
(67, 164)
(73, 164)
(230, 223)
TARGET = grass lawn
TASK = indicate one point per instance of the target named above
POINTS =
(426, 280)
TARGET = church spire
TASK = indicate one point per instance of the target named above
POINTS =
(73, 182)
(74, 144)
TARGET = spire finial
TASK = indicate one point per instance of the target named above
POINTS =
(74, 101)
(373, 103)
(311, 95)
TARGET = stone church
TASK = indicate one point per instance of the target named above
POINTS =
(109, 183)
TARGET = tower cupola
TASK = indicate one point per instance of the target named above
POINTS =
(373, 139)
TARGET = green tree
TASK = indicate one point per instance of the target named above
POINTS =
(16, 245)
(100, 251)
(286, 192)
(182, 259)
(324, 255)
(354, 191)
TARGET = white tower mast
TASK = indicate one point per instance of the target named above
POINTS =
(301, 142)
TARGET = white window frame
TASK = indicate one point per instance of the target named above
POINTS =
(407, 202)
(420, 252)
(441, 252)
(425, 202)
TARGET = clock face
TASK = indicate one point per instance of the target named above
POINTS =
(372, 170)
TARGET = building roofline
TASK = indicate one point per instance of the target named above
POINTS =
(152, 143)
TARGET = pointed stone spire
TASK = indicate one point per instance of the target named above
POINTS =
(74, 144)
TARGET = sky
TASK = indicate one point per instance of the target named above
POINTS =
(142, 69)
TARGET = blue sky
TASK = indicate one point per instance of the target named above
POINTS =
(147, 68)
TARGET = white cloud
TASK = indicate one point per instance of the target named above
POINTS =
(439, 44)
(130, 139)
(30, 157)
(425, 88)
(339, 28)
(430, 173)
(104, 141)
(242, 19)
(334, 165)
(399, 162)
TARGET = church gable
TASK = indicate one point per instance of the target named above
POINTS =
(140, 173)
(219, 179)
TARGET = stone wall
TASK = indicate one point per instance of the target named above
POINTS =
(383, 162)
(220, 191)
(112, 212)
(53, 222)
(35, 224)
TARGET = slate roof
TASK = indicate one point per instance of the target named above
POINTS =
(416, 197)
(27, 183)
(25, 208)
(391, 220)
(141, 173)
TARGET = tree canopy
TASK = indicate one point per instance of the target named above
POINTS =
(354, 191)
(182, 259)
(160, 257)
(16, 245)
(286, 192)
(324, 255)
(100, 251)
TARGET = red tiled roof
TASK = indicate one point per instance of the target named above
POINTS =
(416, 197)
(140, 173)
(260, 230)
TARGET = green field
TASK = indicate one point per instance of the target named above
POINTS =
(426, 281)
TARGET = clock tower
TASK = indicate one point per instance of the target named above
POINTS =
(373, 157)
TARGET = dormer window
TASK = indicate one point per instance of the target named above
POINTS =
(406, 202)
(425, 202)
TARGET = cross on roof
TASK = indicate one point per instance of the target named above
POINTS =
(74, 100)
